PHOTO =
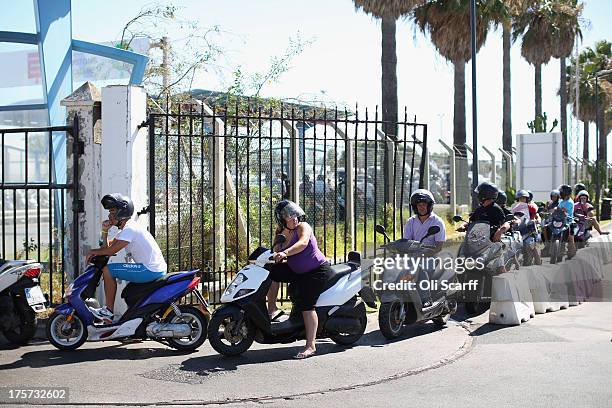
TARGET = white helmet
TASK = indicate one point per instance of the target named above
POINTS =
(583, 193)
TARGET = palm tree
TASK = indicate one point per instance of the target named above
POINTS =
(536, 47)
(549, 29)
(448, 24)
(565, 19)
(590, 61)
(502, 12)
(388, 11)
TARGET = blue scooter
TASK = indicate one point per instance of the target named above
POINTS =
(151, 314)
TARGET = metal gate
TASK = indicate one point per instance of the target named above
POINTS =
(33, 207)
(216, 174)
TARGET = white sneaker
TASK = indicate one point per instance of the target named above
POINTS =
(103, 314)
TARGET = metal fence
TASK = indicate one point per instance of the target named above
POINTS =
(33, 206)
(217, 173)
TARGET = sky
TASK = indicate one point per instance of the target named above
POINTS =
(342, 62)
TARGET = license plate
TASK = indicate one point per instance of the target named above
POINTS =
(35, 295)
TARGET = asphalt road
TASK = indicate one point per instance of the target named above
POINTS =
(560, 359)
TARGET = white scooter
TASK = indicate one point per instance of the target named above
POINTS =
(244, 317)
(20, 299)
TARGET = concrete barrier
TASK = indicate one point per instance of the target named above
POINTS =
(540, 289)
(592, 257)
(517, 296)
(572, 276)
(509, 307)
(557, 288)
(600, 244)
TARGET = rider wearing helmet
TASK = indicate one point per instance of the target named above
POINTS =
(567, 205)
(554, 200)
(489, 211)
(422, 202)
(502, 201)
(306, 267)
(146, 260)
(584, 207)
(578, 188)
(526, 196)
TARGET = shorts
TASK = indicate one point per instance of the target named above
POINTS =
(309, 285)
(133, 272)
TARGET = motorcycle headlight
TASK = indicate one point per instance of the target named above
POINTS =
(238, 280)
(557, 224)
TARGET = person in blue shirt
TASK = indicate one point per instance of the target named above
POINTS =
(567, 204)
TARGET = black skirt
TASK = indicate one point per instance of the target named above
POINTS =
(308, 286)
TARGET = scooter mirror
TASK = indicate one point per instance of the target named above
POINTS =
(518, 214)
(433, 230)
(457, 218)
(380, 229)
(510, 217)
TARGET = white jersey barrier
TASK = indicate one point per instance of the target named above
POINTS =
(507, 289)
(515, 296)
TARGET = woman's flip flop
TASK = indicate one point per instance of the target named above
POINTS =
(303, 355)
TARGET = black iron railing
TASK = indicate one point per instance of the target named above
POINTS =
(33, 206)
(217, 173)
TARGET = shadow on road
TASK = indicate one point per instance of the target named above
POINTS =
(211, 364)
(50, 358)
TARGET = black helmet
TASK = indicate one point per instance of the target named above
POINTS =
(502, 198)
(422, 196)
(579, 187)
(123, 204)
(530, 196)
(486, 191)
(554, 193)
(286, 208)
(565, 190)
(522, 193)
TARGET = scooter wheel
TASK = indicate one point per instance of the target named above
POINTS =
(226, 338)
(390, 319)
(346, 339)
(22, 334)
(64, 334)
(199, 328)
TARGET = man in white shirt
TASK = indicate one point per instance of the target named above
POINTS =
(422, 202)
(149, 264)
(416, 227)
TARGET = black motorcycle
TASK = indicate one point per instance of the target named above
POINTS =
(487, 256)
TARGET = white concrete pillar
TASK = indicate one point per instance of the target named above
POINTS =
(124, 145)
(124, 155)
(85, 104)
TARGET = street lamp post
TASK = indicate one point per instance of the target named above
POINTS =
(474, 115)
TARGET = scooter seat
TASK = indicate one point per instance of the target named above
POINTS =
(338, 271)
(134, 291)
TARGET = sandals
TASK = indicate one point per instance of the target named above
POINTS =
(304, 355)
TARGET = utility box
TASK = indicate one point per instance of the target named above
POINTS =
(539, 163)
